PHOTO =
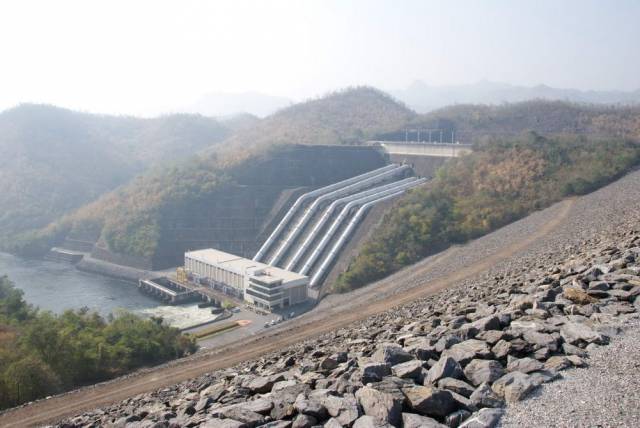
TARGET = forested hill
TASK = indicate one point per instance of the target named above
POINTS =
(473, 122)
(128, 218)
(344, 117)
(54, 160)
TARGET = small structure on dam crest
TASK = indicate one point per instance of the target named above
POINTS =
(264, 286)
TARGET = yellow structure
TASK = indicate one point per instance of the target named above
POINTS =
(181, 275)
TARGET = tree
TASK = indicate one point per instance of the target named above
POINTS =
(28, 379)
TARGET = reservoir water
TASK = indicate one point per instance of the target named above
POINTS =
(58, 286)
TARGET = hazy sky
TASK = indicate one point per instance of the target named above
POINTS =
(147, 57)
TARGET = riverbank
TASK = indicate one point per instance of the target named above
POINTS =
(100, 267)
(57, 286)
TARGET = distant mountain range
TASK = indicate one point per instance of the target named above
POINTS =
(418, 96)
(217, 104)
(54, 160)
(423, 98)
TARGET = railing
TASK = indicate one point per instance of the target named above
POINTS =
(329, 258)
(329, 212)
(327, 197)
(298, 203)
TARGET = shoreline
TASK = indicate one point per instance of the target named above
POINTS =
(112, 270)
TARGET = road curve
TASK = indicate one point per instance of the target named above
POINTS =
(318, 322)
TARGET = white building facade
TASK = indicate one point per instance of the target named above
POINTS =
(264, 286)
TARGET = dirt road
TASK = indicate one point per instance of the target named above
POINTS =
(312, 324)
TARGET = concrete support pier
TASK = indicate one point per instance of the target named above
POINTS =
(169, 291)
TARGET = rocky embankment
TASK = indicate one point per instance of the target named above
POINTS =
(456, 358)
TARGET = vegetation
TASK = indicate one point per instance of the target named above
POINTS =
(132, 219)
(129, 219)
(473, 122)
(42, 353)
(53, 160)
(345, 117)
(228, 304)
(501, 181)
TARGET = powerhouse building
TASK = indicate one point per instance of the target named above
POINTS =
(264, 286)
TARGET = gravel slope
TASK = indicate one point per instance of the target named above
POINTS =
(606, 394)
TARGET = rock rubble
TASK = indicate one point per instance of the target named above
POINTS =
(452, 359)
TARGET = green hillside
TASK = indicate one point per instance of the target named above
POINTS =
(132, 219)
(344, 117)
(473, 122)
(53, 160)
(42, 353)
(500, 182)
(128, 219)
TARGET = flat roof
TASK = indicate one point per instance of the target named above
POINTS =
(216, 257)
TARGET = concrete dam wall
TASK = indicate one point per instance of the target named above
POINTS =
(239, 217)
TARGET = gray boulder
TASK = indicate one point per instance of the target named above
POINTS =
(575, 333)
(261, 405)
(413, 420)
(513, 386)
(466, 351)
(543, 376)
(456, 418)
(251, 419)
(422, 349)
(344, 409)
(260, 385)
(540, 340)
(501, 349)
(524, 365)
(484, 396)
(480, 371)
(284, 399)
(277, 424)
(392, 354)
(557, 363)
(485, 418)
(374, 372)
(328, 363)
(370, 422)
(304, 421)
(223, 423)
(408, 370)
(490, 322)
(445, 367)
(446, 342)
(310, 407)
(430, 401)
(457, 386)
(380, 405)
(332, 423)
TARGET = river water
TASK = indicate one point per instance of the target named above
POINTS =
(58, 286)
